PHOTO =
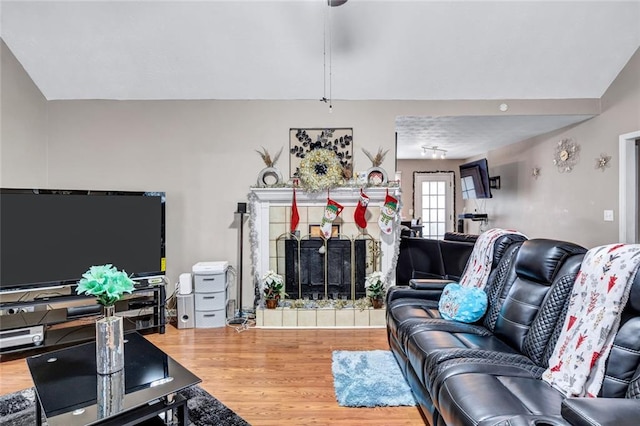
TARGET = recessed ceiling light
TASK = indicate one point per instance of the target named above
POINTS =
(503, 107)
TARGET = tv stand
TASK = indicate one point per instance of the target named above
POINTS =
(69, 319)
(474, 217)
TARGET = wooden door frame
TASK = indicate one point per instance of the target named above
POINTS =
(453, 192)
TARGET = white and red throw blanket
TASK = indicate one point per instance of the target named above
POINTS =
(476, 273)
(600, 292)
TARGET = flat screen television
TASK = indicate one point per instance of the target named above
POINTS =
(50, 237)
(474, 180)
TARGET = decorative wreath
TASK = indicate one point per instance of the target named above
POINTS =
(320, 169)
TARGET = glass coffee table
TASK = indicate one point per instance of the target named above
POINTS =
(70, 393)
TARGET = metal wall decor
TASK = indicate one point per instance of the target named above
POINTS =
(303, 141)
(566, 155)
(535, 172)
(603, 161)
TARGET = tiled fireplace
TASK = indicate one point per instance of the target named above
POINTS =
(313, 268)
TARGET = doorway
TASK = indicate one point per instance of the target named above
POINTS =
(629, 184)
(433, 200)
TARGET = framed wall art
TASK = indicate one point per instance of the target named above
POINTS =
(303, 141)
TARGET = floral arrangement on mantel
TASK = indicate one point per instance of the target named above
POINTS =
(106, 283)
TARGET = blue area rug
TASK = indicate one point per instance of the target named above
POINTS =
(369, 379)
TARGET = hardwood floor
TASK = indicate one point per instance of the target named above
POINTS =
(269, 377)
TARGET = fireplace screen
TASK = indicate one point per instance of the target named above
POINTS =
(319, 269)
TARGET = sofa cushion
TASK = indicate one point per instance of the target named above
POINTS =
(535, 290)
(455, 255)
(476, 398)
(542, 258)
(419, 258)
(462, 304)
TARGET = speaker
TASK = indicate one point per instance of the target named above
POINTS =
(242, 208)
(186, 311)
(185, 286)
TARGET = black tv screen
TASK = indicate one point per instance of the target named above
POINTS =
(51, 237)
(474, 180)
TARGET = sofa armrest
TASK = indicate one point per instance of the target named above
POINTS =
(419, 275)
(419, 289)
(424, 289)
(601, 411)
(432, 284)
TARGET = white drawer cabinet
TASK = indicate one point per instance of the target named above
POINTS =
(210, 295)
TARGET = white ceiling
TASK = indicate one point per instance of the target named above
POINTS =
(467, 136)
(403, 50)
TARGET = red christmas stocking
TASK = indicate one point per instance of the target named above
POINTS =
(361, 209)
(295, 216)
(331, 212)
(388, 214)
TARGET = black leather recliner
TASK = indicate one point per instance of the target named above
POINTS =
(517, 397)
(516, 288)
(419, 300)
(425, 258)
(488, 373)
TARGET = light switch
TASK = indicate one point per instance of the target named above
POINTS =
(608, 215)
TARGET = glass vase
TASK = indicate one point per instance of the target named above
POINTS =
(109, 342)
(110, 394)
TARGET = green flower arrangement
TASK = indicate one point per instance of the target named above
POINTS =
(320, 169)
(106, 283)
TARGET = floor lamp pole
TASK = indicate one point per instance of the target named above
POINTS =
(238, 319)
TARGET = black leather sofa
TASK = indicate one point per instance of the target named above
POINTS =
(429, 258)
(489, 373)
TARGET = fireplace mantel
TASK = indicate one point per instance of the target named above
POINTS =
(283, 195)
(262, 199)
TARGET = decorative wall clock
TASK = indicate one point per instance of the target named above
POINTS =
(566, 155)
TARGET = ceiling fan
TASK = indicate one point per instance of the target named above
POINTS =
(330, 3)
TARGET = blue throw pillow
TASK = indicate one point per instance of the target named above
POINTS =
(462, 304)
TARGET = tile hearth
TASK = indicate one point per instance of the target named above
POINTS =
(319, 318)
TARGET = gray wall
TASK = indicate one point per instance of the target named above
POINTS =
(23, 123)
(568, 205)
(202, 153)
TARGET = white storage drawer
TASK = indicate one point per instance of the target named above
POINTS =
(209, 283)
(210, 301)
(210, 319)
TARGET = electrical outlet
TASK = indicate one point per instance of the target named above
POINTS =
(608, 215)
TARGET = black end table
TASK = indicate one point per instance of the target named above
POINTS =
(69, 391)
